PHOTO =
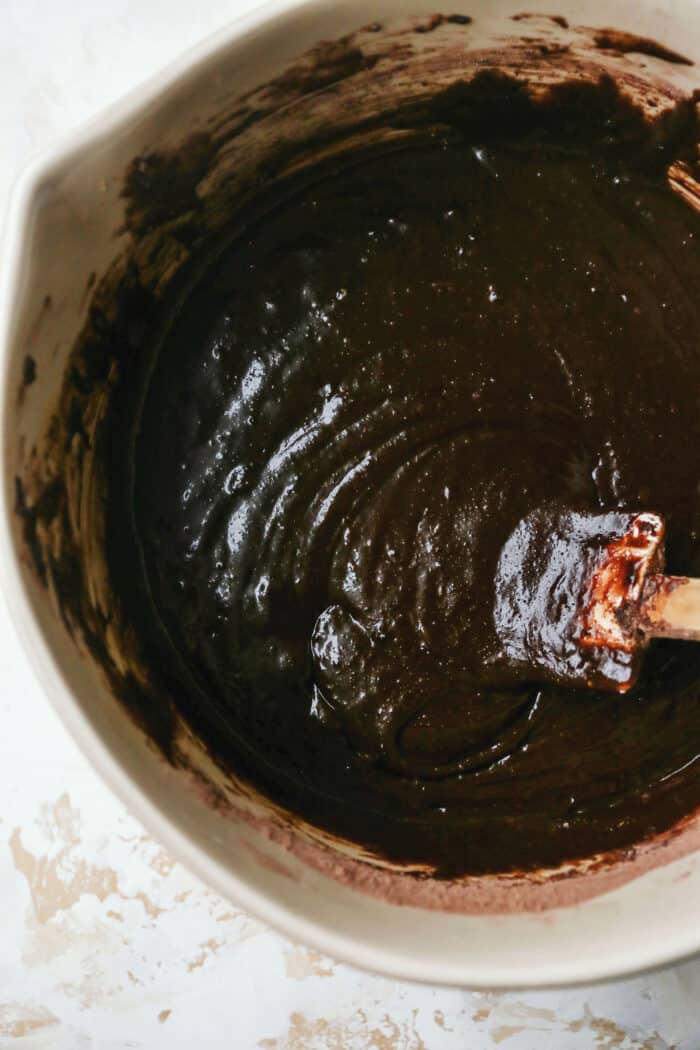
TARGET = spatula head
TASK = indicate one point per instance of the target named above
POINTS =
(567, 593)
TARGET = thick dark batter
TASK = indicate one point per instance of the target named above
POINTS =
(397, 361)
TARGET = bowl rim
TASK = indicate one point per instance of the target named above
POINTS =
(618, 962)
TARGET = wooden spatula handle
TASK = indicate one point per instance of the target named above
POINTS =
(671, 607)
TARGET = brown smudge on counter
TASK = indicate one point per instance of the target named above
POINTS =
(57, 881)
(626, 43)
(505, 1031)
(22, 1021)
(207, 949)
(354, 1029)
(300, 963)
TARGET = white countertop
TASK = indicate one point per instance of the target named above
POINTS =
(105, 941)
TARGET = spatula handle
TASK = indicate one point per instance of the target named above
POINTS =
(671, 607)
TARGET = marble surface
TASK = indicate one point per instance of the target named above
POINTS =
(105, 941)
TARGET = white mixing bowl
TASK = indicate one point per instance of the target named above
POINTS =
(64, 239)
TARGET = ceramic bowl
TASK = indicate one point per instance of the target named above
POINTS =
(74, 235)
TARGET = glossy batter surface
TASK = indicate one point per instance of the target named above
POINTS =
(384, 374)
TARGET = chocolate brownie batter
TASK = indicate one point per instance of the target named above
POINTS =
(395, 360)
